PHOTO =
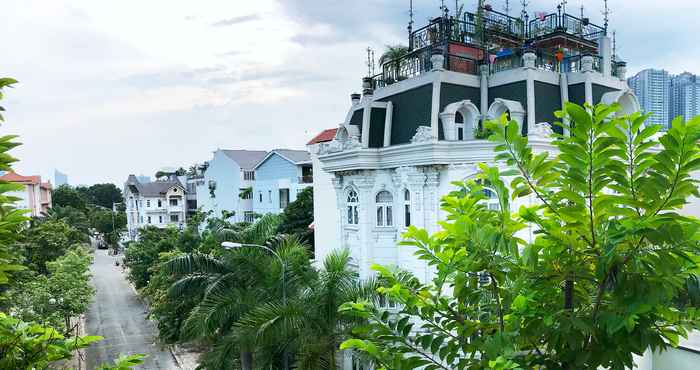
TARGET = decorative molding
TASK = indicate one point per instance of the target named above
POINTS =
(542, 129)
(424, 134)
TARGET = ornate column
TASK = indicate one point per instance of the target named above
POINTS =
(484, 69)
(337, 182)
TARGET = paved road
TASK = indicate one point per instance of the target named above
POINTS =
(118, 316)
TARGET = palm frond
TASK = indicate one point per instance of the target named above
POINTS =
(195, 264)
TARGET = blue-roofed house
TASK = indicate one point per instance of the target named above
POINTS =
(279, 177)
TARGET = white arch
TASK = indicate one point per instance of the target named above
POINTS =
(626, 98)
(470, 113)
(500, 106)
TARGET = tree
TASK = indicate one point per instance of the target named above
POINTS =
(231, 285)
(67, 196)
(311, 320)
(143, 254)
(47, 240)
(105, 195)
(298, 215)
(595, 285)
(11, 219)
(108, 223)
(55, 298)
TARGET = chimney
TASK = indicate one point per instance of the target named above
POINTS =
(367, 86)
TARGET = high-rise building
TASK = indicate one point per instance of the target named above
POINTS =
(60, 178)
(652, 88)
(685, 95)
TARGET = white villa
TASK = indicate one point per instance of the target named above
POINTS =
(160, 203)
(418, 125)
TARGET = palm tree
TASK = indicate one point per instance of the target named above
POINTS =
(392, 56)
(311, 319)
(232, 283)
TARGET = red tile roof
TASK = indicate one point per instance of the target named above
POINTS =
(324, 136)
(13, 177)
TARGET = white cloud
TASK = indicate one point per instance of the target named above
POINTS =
(112, 88)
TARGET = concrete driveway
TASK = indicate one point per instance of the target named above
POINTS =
(117, 314)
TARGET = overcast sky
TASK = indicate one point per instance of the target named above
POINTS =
(109, 88)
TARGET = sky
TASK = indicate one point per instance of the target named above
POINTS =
(111, 88)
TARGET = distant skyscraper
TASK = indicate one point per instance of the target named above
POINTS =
(685, 96)
(652, 87)
(60, 178)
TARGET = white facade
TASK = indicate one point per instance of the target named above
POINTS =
(228, 173)
(160, 203)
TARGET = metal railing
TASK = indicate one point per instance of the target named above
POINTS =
(557, 22)
(306, 179)
(573, 63)
(495, 21)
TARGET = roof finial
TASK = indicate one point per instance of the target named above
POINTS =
(614, 47)
(563, 5)
(370, 62)
(581, 11)
(606, 15)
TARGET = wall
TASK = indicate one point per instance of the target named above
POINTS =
(411, 109)
(326, 221)
(547, 101)
(577, 93)
(270, 176)
(227, 175)
(516, 91)
(376, 127)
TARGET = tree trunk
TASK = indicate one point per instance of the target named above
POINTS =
(332, 361)
(569, 295)
(246, 360)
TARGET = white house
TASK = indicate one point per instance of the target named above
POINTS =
(227, 174)
(160, 203)
(279, 177)
(418, 126)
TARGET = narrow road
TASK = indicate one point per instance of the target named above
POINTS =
(117, 314)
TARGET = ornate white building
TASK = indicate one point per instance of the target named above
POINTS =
(418, 126)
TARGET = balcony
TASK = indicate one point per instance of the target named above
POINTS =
(306, 179)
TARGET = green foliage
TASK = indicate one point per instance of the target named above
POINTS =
(596, 281)
(55, 298)
(103, 195)
(28, 346)
(298, 215)
(68, 196)
(47, 240)
(140, 256)
(108, 223)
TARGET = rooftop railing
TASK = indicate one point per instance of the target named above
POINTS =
(556, 22)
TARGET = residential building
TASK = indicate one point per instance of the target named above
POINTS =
(418, 125)
(35, 195)
(685, 96)
(160, 203)
(279, 177)
(59, 178)
(227, 174)
(653, 90)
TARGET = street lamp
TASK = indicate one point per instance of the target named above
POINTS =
(233, 245)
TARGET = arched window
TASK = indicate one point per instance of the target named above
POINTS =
(353, 202)
(459, 125)
(406, 208)
(384, 202)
